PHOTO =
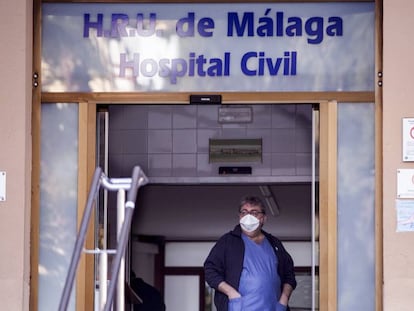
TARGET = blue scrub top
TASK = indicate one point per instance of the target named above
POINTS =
(259, 282)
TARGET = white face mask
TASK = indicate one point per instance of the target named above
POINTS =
(249, 223)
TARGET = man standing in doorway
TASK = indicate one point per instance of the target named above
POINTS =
(249, 268)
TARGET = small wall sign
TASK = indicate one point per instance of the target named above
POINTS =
(408, 139)
(2, 186)
(405, 183)
(235, 150)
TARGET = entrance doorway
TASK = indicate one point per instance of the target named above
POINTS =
(189, 202)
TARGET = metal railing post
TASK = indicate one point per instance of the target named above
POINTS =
(120, 296)
(80, 240)
(137, 180)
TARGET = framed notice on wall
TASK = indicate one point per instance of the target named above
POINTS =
(408, 139)
(405, 183)
(235, 150)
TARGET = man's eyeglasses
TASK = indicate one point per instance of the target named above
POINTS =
(254, 213)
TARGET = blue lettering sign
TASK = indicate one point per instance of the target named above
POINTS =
(185, 26)
(257, 64)
(314, 27)
(176, 67)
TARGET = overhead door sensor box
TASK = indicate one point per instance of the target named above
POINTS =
(205, 99)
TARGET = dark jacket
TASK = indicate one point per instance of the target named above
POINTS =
(152, 299)
(225, 263)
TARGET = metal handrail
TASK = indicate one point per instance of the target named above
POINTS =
(137, 181)
(99, 179)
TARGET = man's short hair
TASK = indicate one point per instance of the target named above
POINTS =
(252, 200)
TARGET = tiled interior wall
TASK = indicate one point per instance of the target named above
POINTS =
(173, 140)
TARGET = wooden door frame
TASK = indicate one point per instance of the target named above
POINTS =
(327, 192)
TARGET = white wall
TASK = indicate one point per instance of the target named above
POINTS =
(398, 103)
(172, 142)
(196, 253)
(15, 151)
